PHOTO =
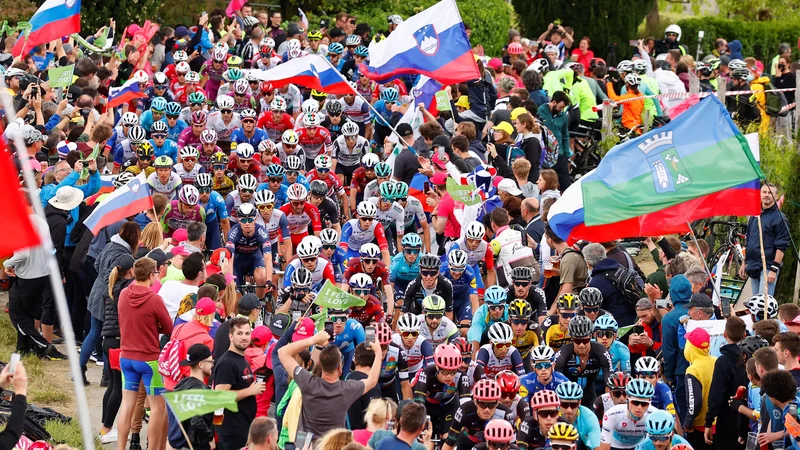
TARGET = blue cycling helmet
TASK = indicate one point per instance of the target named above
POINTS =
(336, 48)
(660, 423)
(495, 295)
(383, 170)
(173, 109)
(569, 391)
(159, 104)
(390, 95)
(640, 388)
(411, 240)
(606, 322)
(275, 170)
(360, 51)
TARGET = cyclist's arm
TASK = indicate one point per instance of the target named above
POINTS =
(347, 231)
(455, 429)
(427, 353)
(516, 362)
(421, 387)
(476, 329)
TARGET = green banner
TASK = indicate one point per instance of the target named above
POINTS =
(461, 193)
(61, 77)
(195, 402)
(442, 101)
(331, 296)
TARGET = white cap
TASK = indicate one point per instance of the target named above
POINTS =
(508, 185)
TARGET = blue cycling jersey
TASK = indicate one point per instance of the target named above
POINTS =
(173, 133)
(256, 245)
(663, 398)
(300, 179)
(146, 120)
(338, 260)
(259, 135)
(647, 444)
(384, 114)
(170, 148)
(481, 321)
(352, 335)
(400, 270)
(529, 384)
(281, 197)
(620, 357)
(215, 207)
(464, 285)
(588, 427)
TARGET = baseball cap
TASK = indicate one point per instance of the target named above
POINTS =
(699, 338)
(700, 300)
(195, 354)
(304, 329)
(205, 306)
(439, 162)
(404, 130)
(249, 301)
(336, 33)
(180, 251)
(463, 101)
(509, 186)
(439, 178)
(504, 126)
(516, 112)
(293, 29)
(68, 48)
(160, 256)
(261, 335)
(180, 235)
(644, 304)
(280, 322)
(496, 63)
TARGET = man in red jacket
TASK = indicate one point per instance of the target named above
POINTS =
(648, 341)
(142, 318)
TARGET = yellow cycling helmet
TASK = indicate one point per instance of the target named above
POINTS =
(519, 308)
(563, 432)
(314, 35)
(317, 94)
(568, 301)
(235, 61)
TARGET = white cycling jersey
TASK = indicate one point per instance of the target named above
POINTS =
(414, 356)
(223, 130)
(473, 256)
(394, 215)
(169, 189)
(297, 151)
(187, 176)
(413, 210)
(346, 156)
(620, 430)
(274, 225)
(441, 334)
(371, 189)
(495, 365)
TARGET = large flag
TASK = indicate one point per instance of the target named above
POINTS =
(120, 95)
(128, 200)
(433, 43)
(311, 71)
(423, 92)
(196, 402)
(54, 20)
(18, 231)
(697, 166)
(331, 296)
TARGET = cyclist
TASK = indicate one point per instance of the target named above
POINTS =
(332, 251)
(361, 176)
(372, 311)
(522, 288)
(661, 434)
(249, 244)
(543, 377)
(499, 355)
(267, 154)
(465, 291)
(494, 310)
(414, 214)
(275, 121)
(470, 419)
(242, 161)
(212, 71)
(300, 214)
(391, 214)
(308, 257)
(192, 94)
(248, 133)
(509, 395)
(126, 149)
(591, 298)
(347, 334)
(498, 434)
(142, 162)
(418, 351)
(579, 416)
(274, 183)
(224, 121)
(440, 386)
(367, 263)
(188, 169)
(525, 337)
(223, 184)
(427, 283)
(216, 211)
(438, 329)
(328, 212)
(647, 368)
(348, 150)
(383, 173)
(180, 213)
(624, 426)
(605, 332)
(274, 220)
(394, 367)
(582, 360)
(246, 187)
(175, 125)
(207, 148)
(478, 253)
(191, 135)
(162, 144)
(121, 130)
(615, 394)
(314, 139)
(470, 368)
(405, 266)
(387, 116)
(558, 334)
(563, 436)
(533, 431)
(297, 295)
(294, 165)
(364, 230)
(164, 180)
(153, 113)
(289, 147)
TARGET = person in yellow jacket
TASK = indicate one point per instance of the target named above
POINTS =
(759, 97)
(698, 384)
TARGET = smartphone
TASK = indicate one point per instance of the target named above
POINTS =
(329, 329)
(307, 441)
(793, 409)
(204, 13)
(701, 34)
(426, 186)
(12, 363)
(370, 334)
(267, 318)
(296, 316)
(223, 257)
(300, 439)
(662, 304)
(440, 151)
(726, 307)
(637, 329)
(633, 42)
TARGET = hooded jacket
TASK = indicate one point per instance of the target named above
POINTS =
(613, 299)
(735, 49)
(729, 374)
(776, 237)
(142, 316)
(698, 382)
(111, 319)
(759, 97)
(674, 361)
(104, 265)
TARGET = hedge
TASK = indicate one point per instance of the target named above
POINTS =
(759, 39)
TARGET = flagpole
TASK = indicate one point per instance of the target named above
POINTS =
(180, 425)
(55, 283)
(764, 269)
(705, 266)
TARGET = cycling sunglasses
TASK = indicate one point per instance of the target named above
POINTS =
(170, 116)
(219, 167)
(366, 219)
(618, 393)
(502, 345)
(429, 273)
(323, 170)
(328, 247)
(276, 180)
(249, 121)
(562, 446)
(519, 321)
(566, 315)
(361, 291)
(159, 135)
(496, 307)
(266, 207)
(543, 365)
(369, 261)
(509, 394)
(434, 316)
(411, 251)
(338, 318)
(486, 405)
(570, 405)
(407, 334)
(447, 372)
(226, 111)
(642, 403)
(660, 437)
(581, 341)
(204, 190)
(190, 159)
(604, 334)
(160, 87)
(157, 111)
(247, 219)
(591, 310)
(246, 191)
(522, 283)
(547, 413)
(306, 260)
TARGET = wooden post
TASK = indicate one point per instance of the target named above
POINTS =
(722, 89)
(608, 111)
(646, 119)
(694, 83)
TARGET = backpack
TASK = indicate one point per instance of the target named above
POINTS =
(513, 153)
(549, 150)
(775, 101)
(627, 281)
(171, 356)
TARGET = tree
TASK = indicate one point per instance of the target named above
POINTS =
(97, 13)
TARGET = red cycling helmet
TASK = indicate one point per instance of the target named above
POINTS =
(618, 381)
(681, 447)
(499, 430)
(462, 345)
(447, 357)
(384, 333)
(515, 48)
(486, 390)
(508, 381)
(543, 399)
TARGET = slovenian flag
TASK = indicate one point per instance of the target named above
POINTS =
(311, 71)
(697, 166)
(433, 43)
(124, 94)
(18, 230)
(126, 201)
(54, 20)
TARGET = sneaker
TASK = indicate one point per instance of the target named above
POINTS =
(135, 443)
(57, 341)
(109, 437)
(93, 356)
(52, 354)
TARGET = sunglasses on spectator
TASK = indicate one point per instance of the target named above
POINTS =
(247, 219)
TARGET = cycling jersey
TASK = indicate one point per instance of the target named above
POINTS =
(492, 365)
(555, 337)
(335, 187)
(527, 341)
(132, 166)
(353, 237)
(232, 202)
(239, 137)
(412, 213)
(275, 128)
(352, 335)
(174, 219)
(359, 180)
(602, 404)
(320, 142)
(467, 427)
(535, 298)
(569, 364)
(663, 398)
(393, 367)
(401, 273)
(445, 332)
(170, 148)
(420, 354)
(174, 132)
(621, 431)
(371, 189)
(328, 213)
(214, 77)
(253, 169)
(371, 312)
(520, 409)
(529, 436)
(322, 271)
(416, 292)
(215, 207)
(620, 357)
(379, 274)
(588, 427)
(188, 138)
(428, 388)
(481, 321)
(170, 188)
(358, 112)
(298, 223)
(647, 444)
(278, 226)
(392, 217)
(301, 179)
(188, 176)
(530, 384)
(465, 284)
(223, 186)
(283, 155)
(224, 130)
(346, 156)
(281, 195)
(293, 97)
(241, 245)
(123, 152)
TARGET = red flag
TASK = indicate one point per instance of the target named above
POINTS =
(18, 231)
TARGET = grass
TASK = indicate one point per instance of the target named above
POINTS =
(68, 433)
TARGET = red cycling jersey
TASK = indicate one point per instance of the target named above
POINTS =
(334, 186)
(354, 266)
(314, 145)
(182, 97)
(275, 129)
(253, 169)
(298, 223)
(371, 312)
(359, 180)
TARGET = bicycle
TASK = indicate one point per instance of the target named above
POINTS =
(587, 145)
(732, 257)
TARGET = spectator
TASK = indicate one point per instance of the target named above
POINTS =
(659, 278)
(700, 254)
(535, 224)
(291, 402)
(573, 268)
(194, 332)
(177, 293)
(553, 115)
(363, 359)
(548, 186)
(698, 384)
(195, 237)
(787, 312)
(199, 428)
(787, 345)
(776, 240)
(379, 412)
(603, 271)
(647, 343)
(779, 389)
(263, 434)
(249, 307)
(257, 358)
(675, 363)
(412, 423)
(729, 374)
(335, 439)
(522, 168)
(527, 129)
(619, 255)
(19, 405)
(510, 255)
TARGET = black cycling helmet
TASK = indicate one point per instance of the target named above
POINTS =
(429, 261)
(318, 187)
(521, 273)
(750, 344)
(580, 326)
(333, 108)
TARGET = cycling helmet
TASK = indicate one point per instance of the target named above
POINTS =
(640, 67)
(499, 430)
(550, 48)
(158, 127)
(158, 104)
(606, 322)
(704, 68)
(278, 104)
(447, 357)
(508, 381)
(544, 398)
(245, 151)
(618, 380)
(640, 389)
(369, 251)
(314, 35)
(433, 303)
(197, 98)
(137, 135)
(180, 56)
(660, 423)
(361, 51)
(182, 67)
(542, 353)
(219, 54)
(188, 152)
(463, 345)
(204, 180)
(130, 119)
(457, 259)
(369, 160)
(264, 197)
(247, 181)
(289, 137)
(625, 66)
(519, 308)
(401, 189)
(208, 136)
(318, 187)
(562, 431)
(173, 109)
(294, 48)
(219, 158)
(160, 79)
(633, 79)
(189, 195)
(323, 161)
(266, 42)
(495, 295)
(390, 95)
(266, 146)
(329, 236)
(714, 63)
(297, 192)
(199, 117)
(647, 364)
(756, 305)
(676, 29)
(515, 48)
(395, 19)
(301, 278)
(193, 78)
(387, 190)
(366, 209)
(248, 114)
(596, 62)
(383, 332)
(541, 65)
(232, 74)
(752, 343)
(521, 273)
(309, 106)
(163, 162)
(429, 261)
(293, 162)
(141, 77)
(145, 150)
(740, 74)
(737, 64)
(580, 326)
(123, 178)
(319, 95)
(569, 390)
(336, 48)
(312, 120)
(307, 249)
(568, 301)
(411, 240)
(486, 389)
(591, 297)
(225, 102)
(352, 40)
(475, 230)
(500, 333)
(576, 67)
(334, 108)
(408, 322)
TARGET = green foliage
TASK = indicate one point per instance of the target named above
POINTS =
(758, 9)
(759, 39)
(68, 433)
(16, 10)
(604, 21)
(97, 13)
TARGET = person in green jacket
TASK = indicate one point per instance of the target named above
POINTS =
(581, 93)
(554, 116)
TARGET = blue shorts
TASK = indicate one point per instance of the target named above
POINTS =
(133, 372)
(246, 265)
(462, 307)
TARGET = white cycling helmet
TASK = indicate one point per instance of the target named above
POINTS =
(757, 303)
(188, 152)
(369, 251)
(264, 197)
(192, 77)
(130, 119)
(208, 136)
(137, 135)
(633, 79)
(457, 259)
(293, 162)
(307, 249)
(367, 210)
(182, 67)
(310, 106)
(240, 86)
(323, 162)
(550, 48)
(180, 56)
(189, 195)
(297, 192)
(647, 364)
(289, 137)
(225, 102)
(248, 182)
(408, 323)
(266, 146)
(370, 160)
(361, 281)
(248, 113)
(500, 333)
(312, 120)
(329, 236)
(278, 104)
(141, 76)
(350, 128)
(542, 353)
(475, 230)
(245, 151)
(541, 66)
